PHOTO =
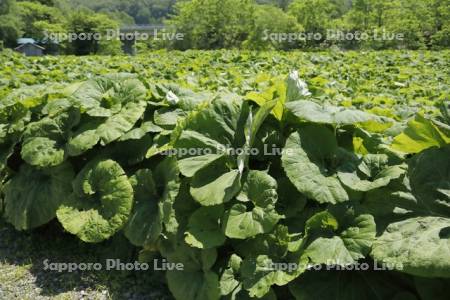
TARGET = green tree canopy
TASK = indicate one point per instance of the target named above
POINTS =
(213, 24)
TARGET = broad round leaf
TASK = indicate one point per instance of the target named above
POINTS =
(211, 186)
(199, 285)
(309, 111)
(420, 134)
(370, 173)
(429, 175)
(309, 160)
(339, 237)
(196, 281)
(101, 202)
(104, 96)
(43, 152)
(33, 196)
(418, 246)
(204, 228)
(239, 221)
(259, 275)
(45, 141)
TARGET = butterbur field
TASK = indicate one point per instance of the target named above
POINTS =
(223, 165)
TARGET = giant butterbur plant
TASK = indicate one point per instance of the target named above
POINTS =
(176, 172)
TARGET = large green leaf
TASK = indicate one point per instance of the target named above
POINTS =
(105, 130)
(279, 244)
(204, 230)
(168, 117)
(146, 127)
(13, 119)
(229, 279)
(389, 203)
(259, 189)
(418, 246)
(177, 96)
(168, 186)
(310, 159)
(194, 285)
(113, 106)
(84, 137)
(196, 281)
(371, 172)
(429, 174)
(419, 135)
(50, 140)
(207, 144)
(338, 237)
(308, 111)
(276, 93)
(240, 223)
(232, 288)
(201, 141)
(191, 165)
(144, 225)
(101, 202)
(154, 196)
(117, 125)
(259, 275)
(45, 141)
(105, 96)
(33, 196)
(212, 186)
(290, 201)
(219, 122)
(260, 269)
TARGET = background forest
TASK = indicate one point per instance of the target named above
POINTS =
(243, 24)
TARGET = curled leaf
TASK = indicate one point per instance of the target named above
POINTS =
(101, 202)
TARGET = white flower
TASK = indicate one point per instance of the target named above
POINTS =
(172, 98)
(296, 88)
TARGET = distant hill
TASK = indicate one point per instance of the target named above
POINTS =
(142, 11)
(150, 11)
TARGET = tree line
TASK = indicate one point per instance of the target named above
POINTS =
(243, 24)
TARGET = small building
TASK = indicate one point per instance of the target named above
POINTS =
(29, 47)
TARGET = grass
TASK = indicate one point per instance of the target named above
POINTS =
(22, 273)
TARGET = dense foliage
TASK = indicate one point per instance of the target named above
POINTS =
(245, 24)
(345, 161)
